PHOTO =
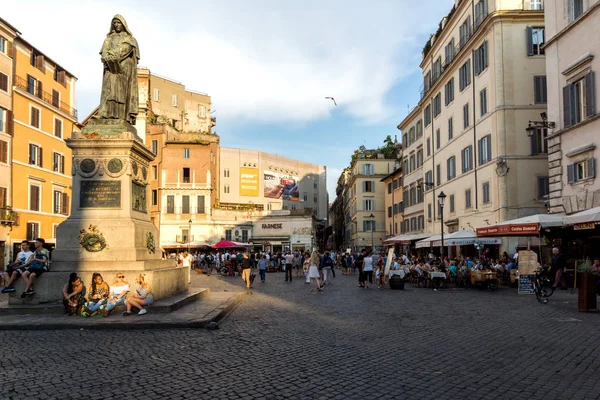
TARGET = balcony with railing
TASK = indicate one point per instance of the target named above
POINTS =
(8, 217)
(184, 238)
(34, 89)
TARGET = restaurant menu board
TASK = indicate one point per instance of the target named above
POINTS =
(528, 263)
(388, 264)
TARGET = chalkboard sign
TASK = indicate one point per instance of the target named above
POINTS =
(526, 284)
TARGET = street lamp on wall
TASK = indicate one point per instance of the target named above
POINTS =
(441, 200)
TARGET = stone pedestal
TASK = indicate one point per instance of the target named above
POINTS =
(109, 229)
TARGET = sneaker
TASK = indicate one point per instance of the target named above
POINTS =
(127, 313)
(142, 311)
(30, 292)
(9, 289)
(4, 290)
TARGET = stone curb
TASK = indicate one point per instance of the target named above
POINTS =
(182, 322)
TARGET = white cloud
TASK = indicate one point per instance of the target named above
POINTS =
(260, 60)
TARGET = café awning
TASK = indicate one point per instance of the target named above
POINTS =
(466, 238)
(435, 241)
(585, 219)
(406, 239)
(526, 226)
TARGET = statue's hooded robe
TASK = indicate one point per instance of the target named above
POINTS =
(120, 53)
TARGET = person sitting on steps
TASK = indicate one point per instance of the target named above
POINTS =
(98, 297)
(15, 270)
(39, 265)
(142, 297)
(73, 295)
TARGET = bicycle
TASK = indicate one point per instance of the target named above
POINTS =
(208, 268)
(542, 287)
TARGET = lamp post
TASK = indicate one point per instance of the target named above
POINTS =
(441, 200)
(372, 229)
(189, 236)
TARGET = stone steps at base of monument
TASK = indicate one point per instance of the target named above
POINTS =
(165, 305)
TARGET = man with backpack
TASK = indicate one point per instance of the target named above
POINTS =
(327, 265)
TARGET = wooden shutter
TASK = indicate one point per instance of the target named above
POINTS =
(10, 49)
(58, 128)
(529, 35)
(567, 102)
(34, 200)
(590, 100)
(3, 197)
(571, 173)
(591, 167)
(62, 78)
(476, 61)
(489, 147)
(40, 159)
(8, 124)
(3, 151)
(201, 205)
(64, 205)
(40, 90)
(3, 82)
(62, 164)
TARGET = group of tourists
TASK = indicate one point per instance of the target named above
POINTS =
(28, 265)
(102, 299)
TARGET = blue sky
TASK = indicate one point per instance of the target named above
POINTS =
(268, 64)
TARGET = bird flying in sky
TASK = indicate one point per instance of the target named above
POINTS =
(332, 99)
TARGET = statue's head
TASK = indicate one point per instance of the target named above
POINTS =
(119, 25)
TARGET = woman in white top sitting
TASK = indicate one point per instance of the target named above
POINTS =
(142, 297)
(118, 293)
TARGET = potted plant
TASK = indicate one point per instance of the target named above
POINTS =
(587, 277)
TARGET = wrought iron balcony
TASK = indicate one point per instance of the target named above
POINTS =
(46, 97)
(8, 217)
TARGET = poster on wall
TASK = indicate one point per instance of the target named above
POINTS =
(281, 186)
(249, 182)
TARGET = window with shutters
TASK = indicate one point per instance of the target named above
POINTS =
(33, 230)
(186, 153)
(438, 139)
(368, 169)
(154, 197)
(535, 41)
(156, 94)
(55, 98)
(35, 155)
(390, 211)
(464, 75)
(368, 225)
(437, 105)
(186, 176)
(420, 158)
(368, 187)
(465, 32)
(155, 147)
(483, 102)
(466, 116)
(3, 151)
(185, 204)
(201, 205)
(226, 189)
(438, 174)
(437, 68)
(175, 100)
(244, 235)
(405, 140)
(427, 82)
(57, 201)
(429, 178)
(536, 5)
(411, 136)
(228, 235)
(540, 91)
(155, 172)
(34, 119)
(395, 209)
(58, 162)
(202, 111)
(58, 128)
(480, 58)
(485, 149)
(412, 162)
(34, 197)
(451, 200)
(581, 170)
(419, 129)
(467, 158)
(3, 45)
(449, 92)
(369, 205)
(543, 187)
(485, 192)
(405, 167)
(427, 115)
(451, 167)
(449, 52)
(579, 102)
(468, 198)
(450, 128)
(539, 143)
(428, 147)
(481, 11)
(3, 197)
(420, 195)
(389, 186)
(31, 85)
(170, 204)
(3, 82)
(429, 212)
(576, 8)
(3, 120)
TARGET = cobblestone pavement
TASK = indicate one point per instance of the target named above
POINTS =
(283, 342)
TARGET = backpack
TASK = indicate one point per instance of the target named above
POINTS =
(327, 262)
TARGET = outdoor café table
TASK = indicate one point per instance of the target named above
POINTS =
(400, 272)
(440, 276)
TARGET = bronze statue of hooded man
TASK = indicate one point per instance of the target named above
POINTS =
(120, 54)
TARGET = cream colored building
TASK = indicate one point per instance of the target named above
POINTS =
(366, 205)
(412, 206)
(484, 79)
(166, 101)
(271, 182)
(572, 62)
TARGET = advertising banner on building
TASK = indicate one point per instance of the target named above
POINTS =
(249, 182)
(281, 186)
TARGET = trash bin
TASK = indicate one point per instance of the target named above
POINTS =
(396, 283)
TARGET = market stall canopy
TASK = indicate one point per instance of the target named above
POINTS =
(466, 238)
(228, 244)
(406, 239)
(435, 241)
(526, 226)
(585, 219)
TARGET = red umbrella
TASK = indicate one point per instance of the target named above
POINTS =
(224, 244)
